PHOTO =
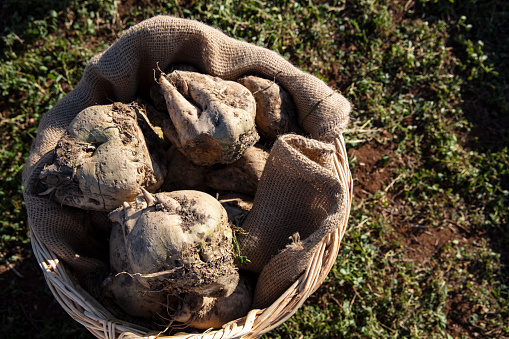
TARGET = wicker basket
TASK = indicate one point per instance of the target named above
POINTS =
(100, 322)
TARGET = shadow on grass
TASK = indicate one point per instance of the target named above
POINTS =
(27, 18)
(480, 37)
(27, 307)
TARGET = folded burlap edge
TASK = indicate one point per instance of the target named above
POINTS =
(297, 169)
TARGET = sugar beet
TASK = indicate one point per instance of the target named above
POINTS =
(179, 241)
(102, 160)
(211, 120)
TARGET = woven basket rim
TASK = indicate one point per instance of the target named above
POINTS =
(102, 324)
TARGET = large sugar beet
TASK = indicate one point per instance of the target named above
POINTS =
(102, 160)
(183, 174)
(179, 241)
(137, 300)
(212, 120)
(243, 175)
(191, 309)
(276, 113)
(206, 312)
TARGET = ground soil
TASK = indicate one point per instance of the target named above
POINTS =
(372, 173)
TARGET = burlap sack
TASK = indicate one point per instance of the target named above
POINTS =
(299, 197)
(298, 192)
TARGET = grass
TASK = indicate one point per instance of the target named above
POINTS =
(425, 254)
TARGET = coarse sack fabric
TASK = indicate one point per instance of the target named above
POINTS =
(299, 198)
